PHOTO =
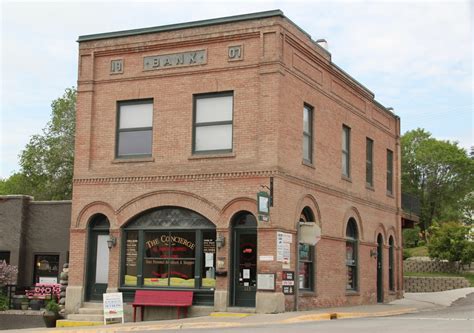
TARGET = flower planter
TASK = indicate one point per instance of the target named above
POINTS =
(35, 304)
(50, 318)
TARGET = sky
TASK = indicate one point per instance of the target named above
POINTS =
(416, 56)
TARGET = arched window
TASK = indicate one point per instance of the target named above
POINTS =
(306, 256)
(169, 247)
(352, 236)
(391, 271)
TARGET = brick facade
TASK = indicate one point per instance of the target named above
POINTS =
(281, 69)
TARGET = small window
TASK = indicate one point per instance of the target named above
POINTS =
(389, 171)
(369, 147)
(346, 151)
(351, 255)
(46, 268)
(5, 256)
(134, 129)
(213, 115)
(308, 134)
(391, 271)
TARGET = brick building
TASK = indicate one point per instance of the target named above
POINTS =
(180, 126)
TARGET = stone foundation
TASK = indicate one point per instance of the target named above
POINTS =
(415, 284)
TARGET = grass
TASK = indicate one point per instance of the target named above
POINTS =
(420, 251)
(468, 276)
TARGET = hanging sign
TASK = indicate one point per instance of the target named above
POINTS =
(113, 308)
(263, 202)
(310, 233)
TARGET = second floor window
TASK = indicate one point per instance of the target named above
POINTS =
(308, 134)
(346, 151)
(135, 128)
(212, 129)
(369, 168)
(389, 171)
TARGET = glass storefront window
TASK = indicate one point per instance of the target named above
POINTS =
(305, 266)
(131, 257)
(46, 268)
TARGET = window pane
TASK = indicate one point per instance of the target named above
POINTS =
(305, 252)
(304, 275)
(155, 272)
(5, 256)
(157, 245)
(344, 138)
(350, 253)
(131, 256)
(135, 143)
(182, 244)
(345, 165)
(136, 115)
(208, 269)
(351, 273)
(46, 268)
(306, 147)
(213, 109)
(182, 273)
(213, 137)
(306, 120)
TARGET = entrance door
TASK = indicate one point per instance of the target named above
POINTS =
(244, 273)
(97, 260)
(379, 269)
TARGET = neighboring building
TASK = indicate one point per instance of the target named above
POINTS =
(180, 126)
(34, 236)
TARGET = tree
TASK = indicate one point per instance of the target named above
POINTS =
(47, 160)
(451, 241)
(439, 173)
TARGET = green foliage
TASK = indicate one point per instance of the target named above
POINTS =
(406, 254)
(3, 302)
(52, 306)
(451, 241)
(439, 173)
(420, 251)
(47, 160)
(411, 237)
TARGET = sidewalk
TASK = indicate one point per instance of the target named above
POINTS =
(413, 302)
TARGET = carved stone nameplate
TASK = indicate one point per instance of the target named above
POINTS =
(175, 60)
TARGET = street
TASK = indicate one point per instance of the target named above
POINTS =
(459, 317)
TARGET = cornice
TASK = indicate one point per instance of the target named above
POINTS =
(173, 178)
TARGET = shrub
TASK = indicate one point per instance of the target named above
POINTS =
(3, 302)
(52, 306)
(411, 237)
(451, 241)
(8, 273)
(406, 254)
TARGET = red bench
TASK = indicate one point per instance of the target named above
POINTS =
(179, 299)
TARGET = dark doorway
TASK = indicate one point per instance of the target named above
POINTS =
(379, 268)
(97, 258)
(244, 260)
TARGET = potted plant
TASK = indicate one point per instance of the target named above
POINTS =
(25, 304)
(18, 301)
(51, 313)
(35, 303)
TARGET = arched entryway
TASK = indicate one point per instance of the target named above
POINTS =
(379, 268)
(244, 260)
(97, 258)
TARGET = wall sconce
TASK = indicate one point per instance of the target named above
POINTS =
(111, 242)
(373, 253)
(220, 241)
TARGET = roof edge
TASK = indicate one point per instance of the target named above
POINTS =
(185, 25)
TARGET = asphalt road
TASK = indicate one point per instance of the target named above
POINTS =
(459, 317)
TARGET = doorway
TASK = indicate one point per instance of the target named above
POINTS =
(379, 269)
(97, 259)
(244, 260)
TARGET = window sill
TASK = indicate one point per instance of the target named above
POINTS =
(133, 160)
(307, 293)
(308, 164)
(352, 293)
(390, 195)
(347, 179)
(370, 188)
(210, 156)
